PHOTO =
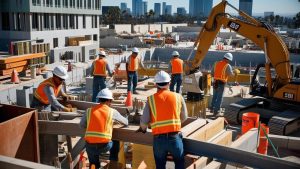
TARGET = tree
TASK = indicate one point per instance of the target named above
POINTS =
(114, 15)
(151, 14)
(297, 20)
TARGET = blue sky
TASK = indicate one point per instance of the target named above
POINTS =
(280, 7)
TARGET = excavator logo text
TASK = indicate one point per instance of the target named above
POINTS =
(234, 26)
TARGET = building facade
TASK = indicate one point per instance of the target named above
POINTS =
(123, 6)
(200, 8)
(54, 22)
(246, 6)
(164, 4)
(157, 9)
(181, 11)
(137, 7)
(145, 7)
(168, 10)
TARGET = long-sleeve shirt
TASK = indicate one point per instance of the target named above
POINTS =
(52, 99)
(116, 116)
(146, 118)
(107, 68)
(229, 71)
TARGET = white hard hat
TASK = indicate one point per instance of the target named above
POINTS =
(135, 50)
(228, 56)
(102, 53)
(61, 72)
(105, 94)
(162, 77)
(175, 53)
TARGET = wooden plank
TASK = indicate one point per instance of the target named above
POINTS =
(21, 57)
(14, 163)
(209, 130)
(13, 65)
(9, 71)
(192, 127)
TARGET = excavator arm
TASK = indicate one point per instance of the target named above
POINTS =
(277, 55)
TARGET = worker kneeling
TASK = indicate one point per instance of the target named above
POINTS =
(45, 96)
(165, 111)
(98, 122)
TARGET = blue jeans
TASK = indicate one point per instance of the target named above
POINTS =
(95, 150)
(217, 97)
(98, 85)
(132, 79)
(40, 106)
(162, 144)
(176, 79)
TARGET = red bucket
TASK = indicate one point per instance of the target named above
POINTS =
(249, 121)
(263, 141)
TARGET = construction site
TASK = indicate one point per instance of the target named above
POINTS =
(257, 125)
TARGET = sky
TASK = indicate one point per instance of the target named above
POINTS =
(280, 7)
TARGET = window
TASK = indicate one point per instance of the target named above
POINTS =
(48, 3)
(65, 3)
(85, 4)
(77, 3)
(89, 4)
(5, 21)
(97, 4)
(80, 3)
(52, 21)
(65, 21)
(83, 21)
(36, 2)
(94, 21)
(46, 21)
(35, 21)
(76, 21)
(58, 21)
(95, 37)
(55, 42)
(72, 22)
(57, 3)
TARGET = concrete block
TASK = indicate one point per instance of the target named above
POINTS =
(23, 98)
(89, 84)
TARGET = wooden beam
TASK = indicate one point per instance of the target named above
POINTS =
(14, 64)
(192, 127)
(209, 130)
(21, 57)
(14, 163)
(9, 71)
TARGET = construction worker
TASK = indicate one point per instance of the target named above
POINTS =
(98, 123)
(221, 71)
(45, 96)
(132, 66)
(98, 71)
(165, 122)
(176, 69)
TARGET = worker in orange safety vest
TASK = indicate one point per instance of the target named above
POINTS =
(220, 72)
(165, 122)
(176, 69)
(98, 122)
(45, 96)
(98, 70)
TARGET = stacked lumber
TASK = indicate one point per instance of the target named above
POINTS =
(19, 63)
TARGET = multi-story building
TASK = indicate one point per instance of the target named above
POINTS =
(137, 7)
(157, 9)
(181, 11)
(123, 6)
(200, 8)
(145, 7)
(246, 6)
(67, 25)
(164, 4)
(268, 14)
(168, 10)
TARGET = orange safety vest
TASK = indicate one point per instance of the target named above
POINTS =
(220, 71)
(100, 67)
(177, 66)
(133, 64)
(99, 124)
(41, 95)
(165, 119)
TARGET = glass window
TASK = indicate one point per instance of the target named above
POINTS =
(83, 21)
(35, 21)
(5, 21)
(58, 21)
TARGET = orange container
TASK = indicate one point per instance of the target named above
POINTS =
(263, 141)
(249, 121)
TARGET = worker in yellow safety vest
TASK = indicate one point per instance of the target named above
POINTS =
(99, 68)
(176, 69)
(132, 67)
(165, 122)
(220, 72)
(45, 96)
(98, 122)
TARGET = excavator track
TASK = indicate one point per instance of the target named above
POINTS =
(284, 123)
(232, 112)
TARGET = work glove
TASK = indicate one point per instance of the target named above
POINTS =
(141, 130)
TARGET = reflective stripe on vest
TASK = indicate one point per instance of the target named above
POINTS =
(133, 63)
(177, 66)
(165, 119)
(220, 71)
(99, 124)
(41, 95)
(100, 67)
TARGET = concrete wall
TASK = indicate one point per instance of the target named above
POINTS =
(144, 27)
(114, 42)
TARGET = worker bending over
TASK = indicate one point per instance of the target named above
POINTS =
(132, 66)
(45, 96)
(176, 69)
(165, 122)
(221, 71)
(98, 71)
(98, 122)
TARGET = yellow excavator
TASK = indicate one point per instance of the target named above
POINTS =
(278, 97)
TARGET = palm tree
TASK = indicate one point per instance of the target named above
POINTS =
(151, 13)
(114, 15)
